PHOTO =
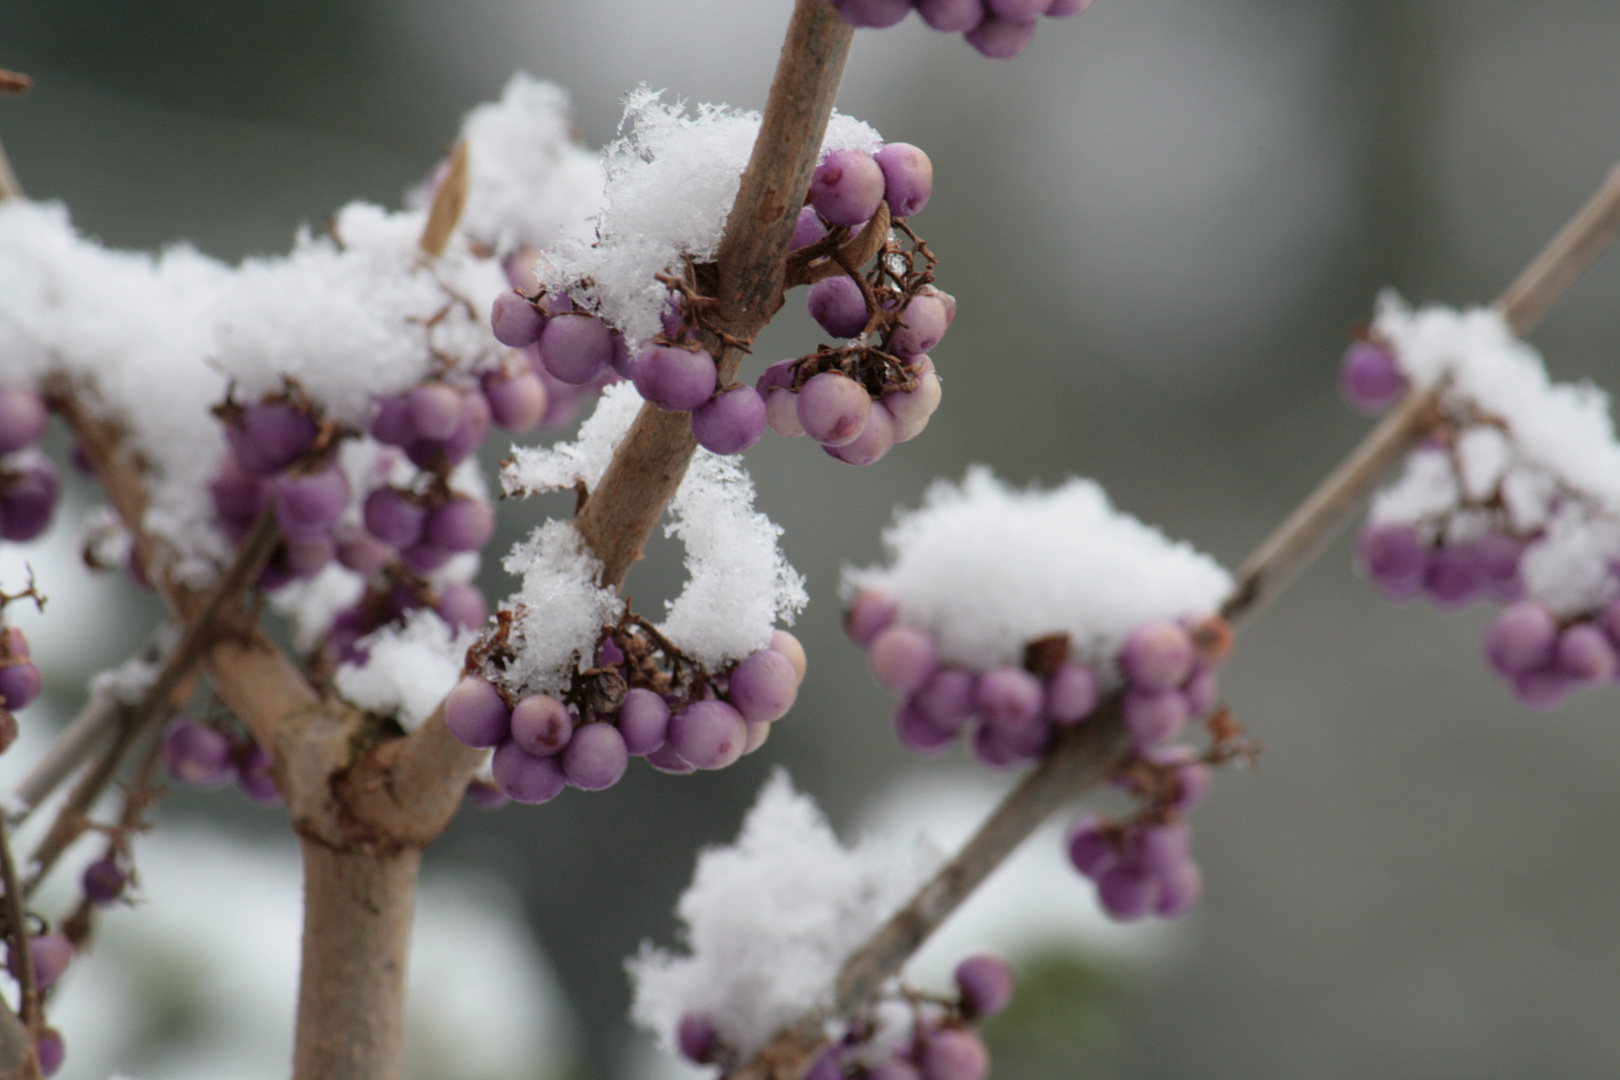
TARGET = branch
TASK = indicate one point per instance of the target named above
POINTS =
(1089, 753)
(1587, 235)
(17, 934)
(448, 203)
(95, 721)
(648, 466)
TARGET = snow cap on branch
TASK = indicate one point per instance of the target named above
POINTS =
(671, 179)
(410, 670)
(769, 921)
(739, 584)
(985, 568)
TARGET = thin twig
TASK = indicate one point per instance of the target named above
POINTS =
(1091, 752)
(77, 741)
(160, 699)
(17, 933)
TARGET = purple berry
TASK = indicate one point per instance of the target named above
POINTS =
(919, 734)
(1071, 694)
(22, 418)
(435, 411)
(807, 230)
(833, 409)
(1541, 688)
(697, 1039)
(875, 440)
(1371, 378)
(308, 506)
(1162, 848)
(1154, 715)
(1003, 748)
(104, 882)
(908, 178)
(954, 1054)
(1498, 557)
(848, 185)
(643, 721)
(392, 424)
(1126, 893)
(923, 327)
(1585, 655)
(526, 778)
(595, 757)
(951, 16)
(461, 606)
(542, 725)
(1061, 9)
(872, 13)
(912, 409)
(462, 524)
(674, 378)
(946, 700)
(486, 796)
(1524, 637)
(253, 777)
(1157, 656)
(1454, 578)
(476, 714)
(26, 506)
(424, 558)
(1395, 557)
(1179, 890)
(838, 306)
(51, 954)
(20, 685)
(999, 39)
(517, 399)
(790, 647)
(1010, 698)
(708, 734)
(576, 348)
(869, 614)
(665, 759)
(270, 437)
(731, 421)
(902, 658)
(763, 686)
(196, 754)
(986, 983)
(1018, 11)
(515, 321)
(1090, 849)
(469, 434)
(50, 1050)
(781, 403)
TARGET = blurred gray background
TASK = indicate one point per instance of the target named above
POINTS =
(1161, 223)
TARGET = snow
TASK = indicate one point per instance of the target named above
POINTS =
(768, 921)
(1547, 449)
(739, 584)
(412, 667)
(671, 179)
(561, 609)
(985, 568)
(531, 182)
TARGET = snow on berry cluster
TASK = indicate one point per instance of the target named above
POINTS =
(1513, 497)
(572, 683)
(767, 923)
(1008, 615)
(1000, 29)
(633, 301)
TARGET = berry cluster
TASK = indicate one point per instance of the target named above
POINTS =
(1015, 712)
(999, 29)
(641, 698)
(1470, 542)
(29, 486)
(20, 681)
(200, 755)
(912, 1036)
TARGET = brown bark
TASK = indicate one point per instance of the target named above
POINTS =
(351, 990)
